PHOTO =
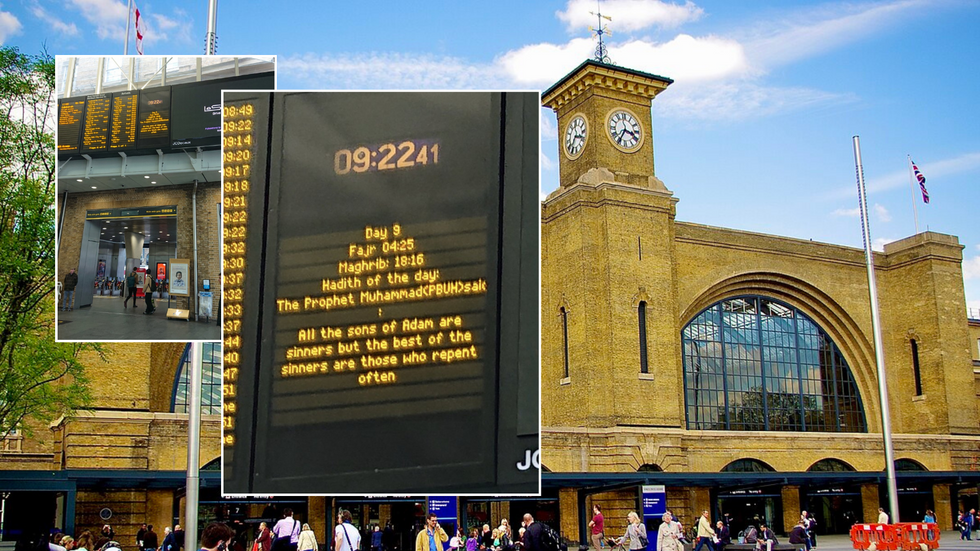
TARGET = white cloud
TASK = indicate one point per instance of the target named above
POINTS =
(391, 70)
(549, 130)
(878, 244)
(882, 213)
(9, 25)
(933, 172)
(738, 100)
(59, 26)
(108, 16)
(546, 162)
(971, 268)
(685, 58)
(628, 15)
(814, 31)
(716, 77)
(161, 28)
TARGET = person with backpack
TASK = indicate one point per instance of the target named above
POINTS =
(148, 286)
(131, 293)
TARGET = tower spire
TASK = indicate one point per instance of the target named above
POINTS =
(601, 53)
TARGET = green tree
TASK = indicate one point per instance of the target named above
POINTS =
(39, 378)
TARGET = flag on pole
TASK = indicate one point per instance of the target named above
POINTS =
(922, 183)
(139, 31)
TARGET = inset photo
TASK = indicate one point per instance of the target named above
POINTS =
(139, 216)
(381, 325)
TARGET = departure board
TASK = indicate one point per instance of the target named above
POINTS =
(388, 293)
(122, 125)
(153, 128)
(70, 113)
(95, 130)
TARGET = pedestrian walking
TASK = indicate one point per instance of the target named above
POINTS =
(68, 289)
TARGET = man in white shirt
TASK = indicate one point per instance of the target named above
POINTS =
(882, 516)
(346, 537)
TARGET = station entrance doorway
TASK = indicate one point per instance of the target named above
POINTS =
(751, 507)
(114, 241)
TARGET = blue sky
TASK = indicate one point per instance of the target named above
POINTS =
(754, 134)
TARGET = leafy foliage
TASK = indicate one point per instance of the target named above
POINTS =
(39, 378)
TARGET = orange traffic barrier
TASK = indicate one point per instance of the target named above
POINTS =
(918, 536)
(875, 537)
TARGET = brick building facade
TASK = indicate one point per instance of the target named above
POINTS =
(648, 378)
(126, 457)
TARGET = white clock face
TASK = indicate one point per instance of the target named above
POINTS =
(576, 133)
(625, 130)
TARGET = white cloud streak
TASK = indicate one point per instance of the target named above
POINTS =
(882, 213)
(57, 25)
(971, 268)
(629, 15)
(934, 171)
(815, 31)
(390, 70)
(716, 77)
(108, 16)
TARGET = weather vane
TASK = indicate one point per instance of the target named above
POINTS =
(601, 54)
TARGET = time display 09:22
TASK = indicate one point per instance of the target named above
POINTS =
(387, 156)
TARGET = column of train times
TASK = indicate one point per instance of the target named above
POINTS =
(238, 138)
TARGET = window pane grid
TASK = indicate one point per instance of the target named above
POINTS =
(752, 363)
(210, 381)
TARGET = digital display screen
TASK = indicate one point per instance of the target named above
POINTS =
(122, 126)
(196, 108)
(153, 127)
(382, 285)
(95, 131)
(70, 113)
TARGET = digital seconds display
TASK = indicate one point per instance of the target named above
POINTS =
(379, 292)
(387, 156)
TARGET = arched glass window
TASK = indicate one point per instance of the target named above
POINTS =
(830, 466)
(649, 468)
(909, 465)
(210, 380)
(753, 363)
(747, 466)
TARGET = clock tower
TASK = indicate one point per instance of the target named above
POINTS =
(604, 124)
(607, 259)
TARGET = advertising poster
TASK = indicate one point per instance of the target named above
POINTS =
(180, 275)
(161, 271)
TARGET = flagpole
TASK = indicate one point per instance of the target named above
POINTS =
(129, 15)
(915, 212)
(886, 426)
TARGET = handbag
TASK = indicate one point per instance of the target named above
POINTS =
(644, 542)
(281, 543)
